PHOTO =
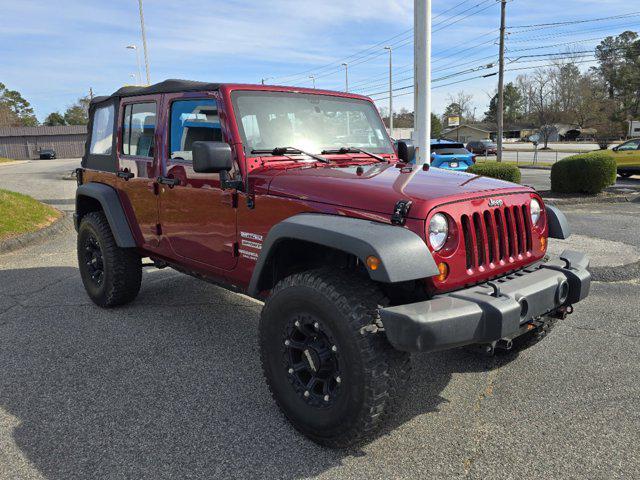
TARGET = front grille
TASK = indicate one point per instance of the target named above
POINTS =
(496, 235)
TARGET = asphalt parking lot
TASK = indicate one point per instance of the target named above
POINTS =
(171, 387)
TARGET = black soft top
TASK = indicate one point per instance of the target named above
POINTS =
(167, 86)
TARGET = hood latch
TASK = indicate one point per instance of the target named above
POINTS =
(400, 212)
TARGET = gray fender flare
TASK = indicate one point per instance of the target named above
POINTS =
(112, 208)
(404, 255)
(558, 223)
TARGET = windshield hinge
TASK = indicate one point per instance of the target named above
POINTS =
(400, 212)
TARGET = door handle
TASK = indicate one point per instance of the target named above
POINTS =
(170, 182)
(124, 174)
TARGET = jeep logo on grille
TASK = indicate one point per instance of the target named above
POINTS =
(495, 202)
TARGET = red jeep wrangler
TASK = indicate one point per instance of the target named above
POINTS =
(298, 197)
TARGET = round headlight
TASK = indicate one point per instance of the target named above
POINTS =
(534, 208)
(438, 231)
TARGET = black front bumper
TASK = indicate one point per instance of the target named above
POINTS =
(491, 311)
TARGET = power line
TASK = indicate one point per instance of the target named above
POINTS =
(564, 34)
(574, 22)
(358, 57)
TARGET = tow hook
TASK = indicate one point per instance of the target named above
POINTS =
(563, 311)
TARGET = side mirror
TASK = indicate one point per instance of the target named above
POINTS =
(212, 157)
(406, 150)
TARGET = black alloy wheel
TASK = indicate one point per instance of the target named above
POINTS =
(312, 360)
(93, 259)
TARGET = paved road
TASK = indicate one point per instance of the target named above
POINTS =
(170, 386)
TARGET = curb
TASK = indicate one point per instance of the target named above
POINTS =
(21, 241)
(535, 167)
(630, 271)
(590, 200)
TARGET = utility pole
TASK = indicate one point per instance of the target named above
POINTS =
(144, 44)
(313, 79)
(90, 93)
(346, 76)
(422, 79)
(390, 88)
(503, 15)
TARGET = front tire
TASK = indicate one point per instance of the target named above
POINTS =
(111, 275)
(335, 384)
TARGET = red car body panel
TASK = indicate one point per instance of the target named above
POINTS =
(208, 235)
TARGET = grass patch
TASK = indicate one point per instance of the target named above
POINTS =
(22, 214)
(6, 160)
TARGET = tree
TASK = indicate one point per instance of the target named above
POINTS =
(436, 126)
(54, 118)
(619, 67)
(22, 110)
(78, 113)
(542, 103)
(8, 118)
(513, 105)
(459, 105)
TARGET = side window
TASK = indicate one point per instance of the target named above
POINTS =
(138, 128)
(102, 131)
(192, 121)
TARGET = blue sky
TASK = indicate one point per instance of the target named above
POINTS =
(52, 52)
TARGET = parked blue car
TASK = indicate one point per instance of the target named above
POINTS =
(449, 155)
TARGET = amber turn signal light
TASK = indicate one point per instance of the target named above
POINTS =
(543, 244)
(443, 268)
(373, 262)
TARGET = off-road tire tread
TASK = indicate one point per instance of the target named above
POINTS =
(124, 264)
(386, 370)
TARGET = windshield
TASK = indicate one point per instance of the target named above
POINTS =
(269, 120)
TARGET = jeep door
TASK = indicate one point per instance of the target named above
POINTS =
(137, 163)
(197, 218)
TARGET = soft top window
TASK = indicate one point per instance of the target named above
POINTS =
(102, 131)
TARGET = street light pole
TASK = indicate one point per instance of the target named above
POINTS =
(313, 79)
(144, 43)
(346, 76)
(422, 73)
(390, 88)
(134, 47)
(503, 14)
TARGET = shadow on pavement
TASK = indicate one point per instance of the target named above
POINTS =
(167, 387)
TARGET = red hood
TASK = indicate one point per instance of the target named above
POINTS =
(379, 187)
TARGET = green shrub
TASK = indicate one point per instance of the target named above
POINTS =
(502, 171)
(583, 173)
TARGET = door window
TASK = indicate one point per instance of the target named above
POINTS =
(138, 128)
(191, 121)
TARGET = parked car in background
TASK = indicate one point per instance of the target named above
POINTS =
(47, 154)
(627, 157)
(451, 155)
(482, 147)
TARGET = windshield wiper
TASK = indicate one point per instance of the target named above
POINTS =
(291, 150)
(343, 150)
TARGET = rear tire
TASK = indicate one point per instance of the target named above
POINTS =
(338, 397)
(111, 275)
